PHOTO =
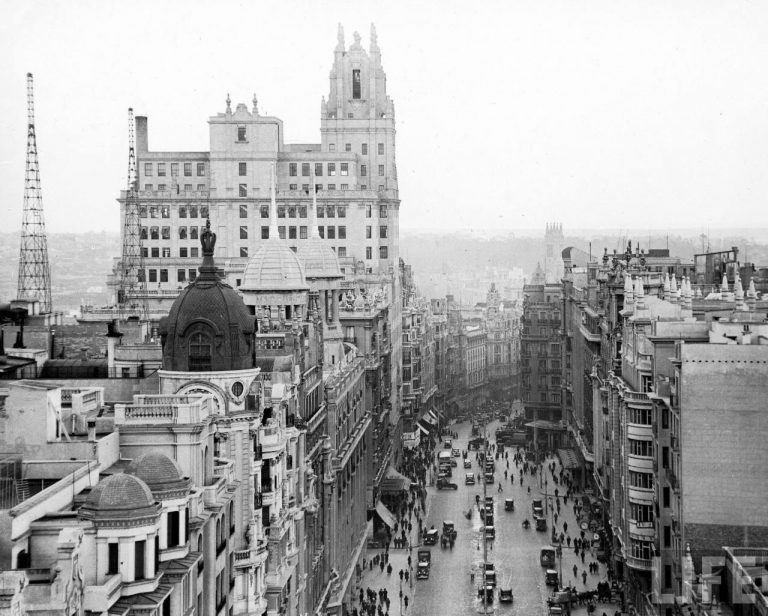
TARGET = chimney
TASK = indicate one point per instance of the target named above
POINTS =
(92, 429)
(142, 137)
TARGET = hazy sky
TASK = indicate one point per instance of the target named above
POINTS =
(509, 114)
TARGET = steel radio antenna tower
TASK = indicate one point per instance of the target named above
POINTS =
(131, 294)
(34, 268)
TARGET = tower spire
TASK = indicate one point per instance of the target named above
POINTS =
(34, 269)
(131, 295)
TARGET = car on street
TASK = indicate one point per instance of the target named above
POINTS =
(547, 556)
(505, 595)
(454, 462)
(448, 443)
(541, 523)
(469, 479)
(467, 463)
(431, 537)
(550, 578)
(456, 452)
(486, 593)
(509, 504)
(489, 478)
(444, 484)
(490, 532)
(449, 528)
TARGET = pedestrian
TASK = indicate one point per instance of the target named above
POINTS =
(381, 565)
(405, 600)
(406, 575)
(584, 577)
(568, 540)
(575, 571)
(400, 573)
(409, 562)
(582, 555)
(565, 526)
(556, 518)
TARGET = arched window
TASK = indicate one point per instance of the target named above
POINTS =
(199, 352)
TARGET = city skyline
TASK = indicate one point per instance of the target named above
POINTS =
(630, 119)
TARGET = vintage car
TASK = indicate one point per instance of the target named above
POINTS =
(456, 452)
(509, 504)
(467, 463)
(505, 595)
(444, 484)
(469, 479)
(550, 578)
(541, 523)
(449, 529)
(431, 537)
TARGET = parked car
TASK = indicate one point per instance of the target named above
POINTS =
(550, 578)
(541, 523)
(505, 595)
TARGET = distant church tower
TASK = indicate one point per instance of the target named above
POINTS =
(553, 260)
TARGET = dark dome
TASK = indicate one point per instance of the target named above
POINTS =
(161, 474)
(208, 327)
(120, 497)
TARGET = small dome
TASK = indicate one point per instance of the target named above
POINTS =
(120, 497)
(319, 259)
(275, 267)
(161, 474)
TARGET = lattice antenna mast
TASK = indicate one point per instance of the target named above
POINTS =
(132, 296)
(34, 268)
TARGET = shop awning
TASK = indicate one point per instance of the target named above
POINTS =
(395, 482)
(385, 514)
(422, 428)
(432, 414)
(568, 458)
(430, 419)
(545, 424)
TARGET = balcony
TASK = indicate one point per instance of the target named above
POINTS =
(642, 529)
(271, 438)
(641, 564)
(250, 557)
(100, 598)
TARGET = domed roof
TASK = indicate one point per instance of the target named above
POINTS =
(163, 475)
(214, 310)
(319, 259)
(120, 497)
(275, 267)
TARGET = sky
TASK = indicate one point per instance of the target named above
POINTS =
(509, 115)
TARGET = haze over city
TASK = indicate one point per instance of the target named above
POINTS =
(600, 115)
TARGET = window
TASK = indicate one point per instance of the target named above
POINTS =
(183, 252)
(241, 133)
(342, 251)
(367, 211)
(368, 252)
(331, 147)
(640, 448)
(381, 186)
(368, 232)
(382, 211)
(165, 211)
(345, 187)
(363, 170)
(160, 169)
(148, 169)
(281, 232)
(305, 169)
(364, 149)
(347, 147)
(291, 211)
(356, 84)
(243, 251)
(138, 562)
(174, 170)
(292, 233)
(342, 232)
(188, 187)
(144, 252)
(154, 233)
(381, 149)
(201, 187)
(302, 211)
(381, 170)
(155, 253)
(344, 169)
(281, 211)
(383, 231)
(243, 210)
(302, 233)
(181, 275)
(163, 275)
(265, 233)
(113, 560)
(203, 212)
(200, 169)
(242, 168)
(321, 232)
(166, 233)
(192, 275)
(199, 352)
(264, 209)
(193, 233)
(182, 211)
(331, 235)
(161, 187)
(292, 170)
(293, 187)
(188, 169)
(341, 211)
(330, 211)
(383, 252)
(143, 233)
(148, 188)
(153, 275)
(153, 211)
(665, 494)
(667, 538)
(331, 186)
(243, 232)
(166, 253)
(331, 168)
(305, 188)
(318, 187)
(193, 252)
(320, 211)
(242, 190)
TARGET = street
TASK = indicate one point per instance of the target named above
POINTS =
(514, 552)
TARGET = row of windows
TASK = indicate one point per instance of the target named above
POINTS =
(164, 211)
(162, 187)
(306, 169)
(363, 147)
(161, 168)
(305, 187)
